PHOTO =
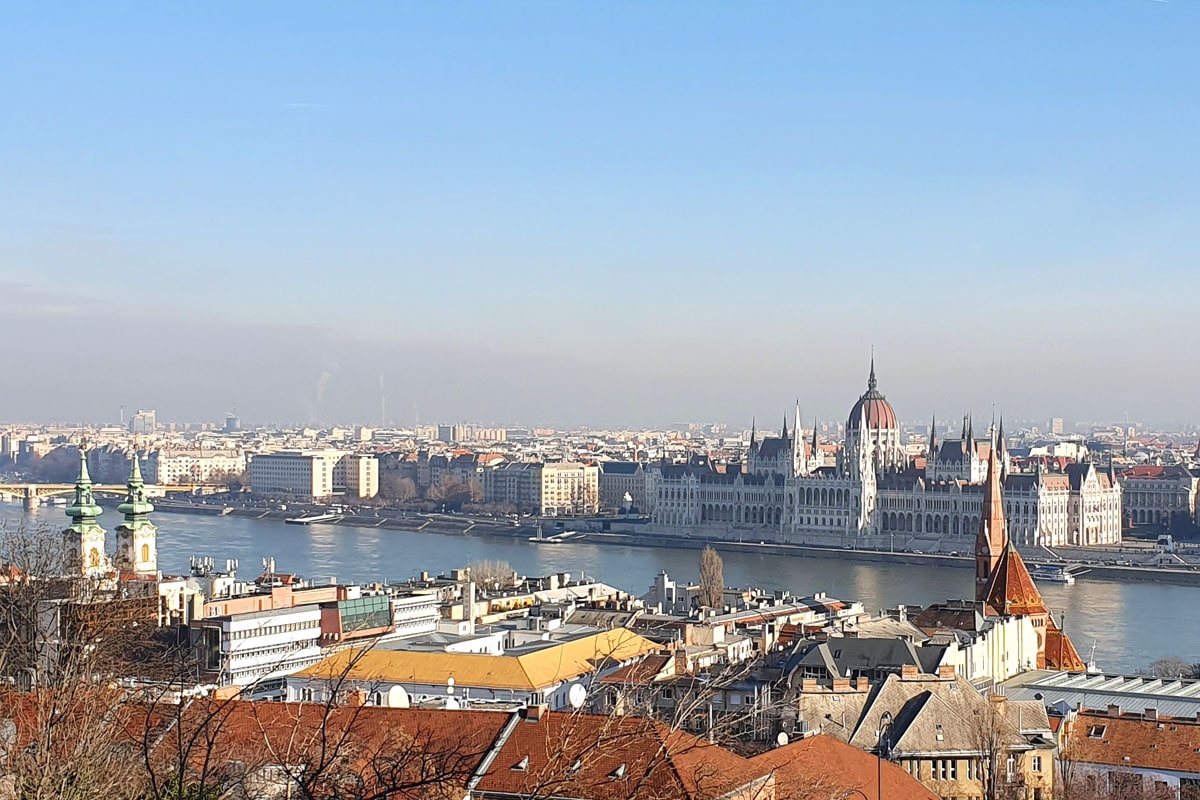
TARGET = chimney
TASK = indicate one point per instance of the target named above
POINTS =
(1114, 710)
(862, 684)
(909, 671)
(469, 607)
(357, 698)
(810, 685)
(946, 672)
(534, 713)
(841, 684)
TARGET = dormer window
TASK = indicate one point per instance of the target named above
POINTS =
(522, 765)
(1096, 731)
(618, 773)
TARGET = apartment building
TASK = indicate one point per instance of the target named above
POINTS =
(315, 474)
(357, 475)
(621, 478)
(569, 488)
(175, 467)
(1157, 495)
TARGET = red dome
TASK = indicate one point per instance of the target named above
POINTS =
(874, 407)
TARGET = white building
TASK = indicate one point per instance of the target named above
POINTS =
(307, 474)
(873, 496)
(259, 647)
(178, 467)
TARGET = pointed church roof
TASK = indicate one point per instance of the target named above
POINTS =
(992, 538)
(1060, 651)
(1010, 589)
(83, 510)
(136, 507)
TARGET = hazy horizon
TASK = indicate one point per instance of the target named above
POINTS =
(620, 215)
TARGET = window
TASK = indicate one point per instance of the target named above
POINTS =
(1096, 731)
(1037, 764)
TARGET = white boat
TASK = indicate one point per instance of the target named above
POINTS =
(1052, 573)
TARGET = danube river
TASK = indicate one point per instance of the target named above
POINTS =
(1130, 624)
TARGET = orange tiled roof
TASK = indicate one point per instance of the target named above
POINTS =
(1060, 650)
(1133, 741)
(825, 767)
(1010, 589)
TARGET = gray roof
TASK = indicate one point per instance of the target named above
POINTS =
(842, 655)
(1133, 693)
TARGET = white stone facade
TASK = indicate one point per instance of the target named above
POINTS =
(873, 496)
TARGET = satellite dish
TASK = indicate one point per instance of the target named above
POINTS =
(576, 695)
(781, 739)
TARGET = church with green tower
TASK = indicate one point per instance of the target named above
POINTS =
(84, 539)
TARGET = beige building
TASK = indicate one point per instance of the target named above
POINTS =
(619, 479)
(357, 475)
(569, 488)
(941, 731)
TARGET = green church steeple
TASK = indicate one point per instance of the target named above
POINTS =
(136, 507)
(84, 511)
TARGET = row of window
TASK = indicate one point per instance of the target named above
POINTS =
(274, 628)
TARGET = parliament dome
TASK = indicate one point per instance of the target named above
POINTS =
(873, 407)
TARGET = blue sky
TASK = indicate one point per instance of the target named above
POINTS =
(606, 213)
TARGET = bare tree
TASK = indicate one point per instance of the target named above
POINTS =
(712, 579)
(491, 573)
(1174, 667)
(65, 644)
(396, 487)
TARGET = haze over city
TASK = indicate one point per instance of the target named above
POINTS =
(568, 215)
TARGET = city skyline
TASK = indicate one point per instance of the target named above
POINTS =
(561, 215)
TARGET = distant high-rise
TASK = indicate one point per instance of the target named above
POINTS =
(233, 423)
(143, 422)
(1056, 426)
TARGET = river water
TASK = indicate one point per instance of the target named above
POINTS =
(1130, 624)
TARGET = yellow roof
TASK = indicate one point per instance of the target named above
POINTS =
(530, 671)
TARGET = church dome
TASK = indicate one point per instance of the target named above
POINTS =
(874, 407)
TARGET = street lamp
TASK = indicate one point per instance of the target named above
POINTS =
(882, 750)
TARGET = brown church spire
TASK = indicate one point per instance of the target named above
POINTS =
(993, 536)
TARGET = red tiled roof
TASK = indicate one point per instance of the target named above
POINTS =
(611, 758)
(822, 766)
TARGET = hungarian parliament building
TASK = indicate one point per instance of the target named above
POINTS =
(873, 490)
